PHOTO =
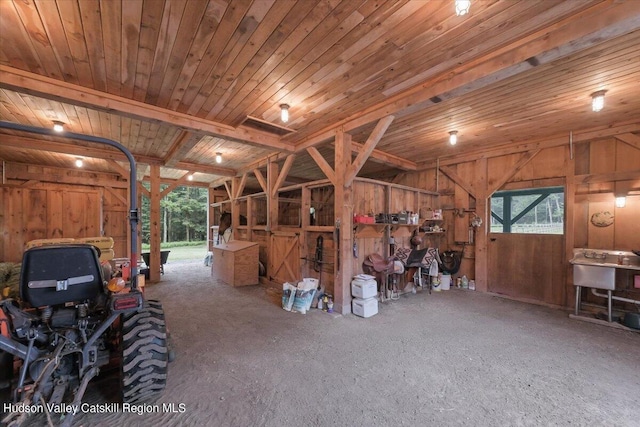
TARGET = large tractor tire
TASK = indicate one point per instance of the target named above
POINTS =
(145, 354)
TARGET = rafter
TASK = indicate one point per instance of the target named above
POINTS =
(184, 178)
(466, 186)
(510, 147)
(261, 180)
(590, 27)
(524, 159)
(184, 142)
(367, 149)
(283, 173)
(322, 164)
(241, 184)
(631, 139)
(48, 88)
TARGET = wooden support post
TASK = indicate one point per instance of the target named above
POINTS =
(344, 218)
(305, 212)
(210, 219)
(569, 224)
(154, 257)
(272, 196)
(235, 207)
(482, 232)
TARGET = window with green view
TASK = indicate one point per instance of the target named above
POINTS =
(533, 210)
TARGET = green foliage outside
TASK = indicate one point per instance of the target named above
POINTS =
(545, 217)
(183, 216)
(169, 245)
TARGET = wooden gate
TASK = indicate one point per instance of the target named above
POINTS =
(527, 266)
(284, 257)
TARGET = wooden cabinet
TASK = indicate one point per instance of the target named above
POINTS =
(235, 263)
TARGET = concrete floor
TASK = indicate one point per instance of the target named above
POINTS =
(453, 358)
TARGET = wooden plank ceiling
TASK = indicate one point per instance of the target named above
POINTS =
(175, 81)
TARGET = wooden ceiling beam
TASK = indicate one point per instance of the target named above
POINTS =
(592, 26)
(119, 169)
(386, 158)
(512, 147)
(212, 170)
(170, 181)
(31, 143)
(48, 88)
(19, 171)
(106, 154)
(184, 142)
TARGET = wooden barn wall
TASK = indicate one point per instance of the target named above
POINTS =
(46, 213)
(594, 161)
(31, 209)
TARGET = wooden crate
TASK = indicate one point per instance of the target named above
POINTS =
(236, 263)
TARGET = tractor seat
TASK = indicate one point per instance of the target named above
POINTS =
(53, 275)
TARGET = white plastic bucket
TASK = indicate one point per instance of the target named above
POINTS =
(445, 282)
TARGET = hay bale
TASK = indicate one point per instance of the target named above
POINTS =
(10, 279)
(5, 272)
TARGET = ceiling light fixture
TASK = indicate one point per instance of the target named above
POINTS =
(597, 100)
(284, 112)
(218, 157)
(453, 137)
(462, 7)
(79, 162)
(58, 126)
(621, 202)
(190, 177)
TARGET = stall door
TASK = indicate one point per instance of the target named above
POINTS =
(284, 258)
(528, 266)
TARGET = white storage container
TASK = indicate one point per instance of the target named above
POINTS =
(361, 288)
(364, 307)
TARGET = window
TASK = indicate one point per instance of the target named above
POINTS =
(535, 210)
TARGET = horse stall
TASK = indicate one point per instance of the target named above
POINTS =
(302, 239)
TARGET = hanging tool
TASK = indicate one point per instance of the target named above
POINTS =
(317, 264)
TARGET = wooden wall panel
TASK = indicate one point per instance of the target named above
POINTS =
(626, 228)
(403, 200)
(115, 222)
(41, 212)
(548, 163)
(34, 214)
(368, 198)
(55, 210)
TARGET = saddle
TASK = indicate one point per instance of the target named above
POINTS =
(378, 264)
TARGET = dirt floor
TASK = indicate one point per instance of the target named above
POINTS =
(451, 358)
